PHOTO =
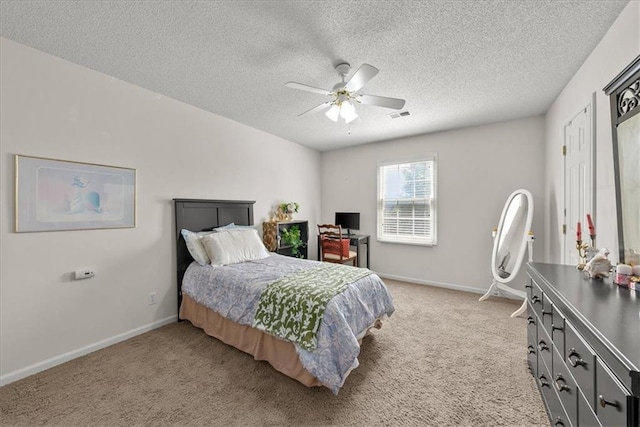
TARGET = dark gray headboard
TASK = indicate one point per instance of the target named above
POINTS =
(204, 215)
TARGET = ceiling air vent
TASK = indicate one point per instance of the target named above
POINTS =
(398, 115)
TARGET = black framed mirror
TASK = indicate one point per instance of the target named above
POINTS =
(624, 95)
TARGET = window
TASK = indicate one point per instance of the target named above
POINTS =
(406, 201)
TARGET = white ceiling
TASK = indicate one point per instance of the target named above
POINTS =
(457, 63)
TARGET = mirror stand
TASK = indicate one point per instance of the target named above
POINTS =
(499, 289)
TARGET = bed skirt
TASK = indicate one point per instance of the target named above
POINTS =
(280, 354)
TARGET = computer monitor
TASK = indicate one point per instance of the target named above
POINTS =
(348, 220)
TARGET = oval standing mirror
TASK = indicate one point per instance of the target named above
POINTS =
(510, 244)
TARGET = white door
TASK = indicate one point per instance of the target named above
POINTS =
(578, 180)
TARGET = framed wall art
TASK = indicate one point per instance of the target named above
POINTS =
(56, 195)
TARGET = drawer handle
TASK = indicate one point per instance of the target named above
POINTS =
(535, 299)
(556, 328)
(563, 386)
(543, 381)
(577, 361)
(532, 349)
(558, 422)
(530, 320)
(604, 403)
(546, 313)
(542, 346)
(528, 286)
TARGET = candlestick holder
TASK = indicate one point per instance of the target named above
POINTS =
(582, 254)
(586, 252)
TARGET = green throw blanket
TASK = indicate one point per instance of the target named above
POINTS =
(292, 308)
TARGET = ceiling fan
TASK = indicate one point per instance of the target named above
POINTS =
(345, 94)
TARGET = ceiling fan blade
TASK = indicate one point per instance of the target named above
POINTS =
(360, 78)
(300, 86)
(381, 101)
(317, 108)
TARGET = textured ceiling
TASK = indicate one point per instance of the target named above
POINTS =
(457, 63)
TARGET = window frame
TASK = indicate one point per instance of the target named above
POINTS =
(408, 240)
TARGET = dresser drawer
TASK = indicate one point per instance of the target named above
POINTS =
(565, 386)
(611, 398)
(557, 331)
(580, 360)
(536, 298)
(586, 417)
(545, 349)
(528, 286)
(546, 313)
(532, 340)
(550, 397)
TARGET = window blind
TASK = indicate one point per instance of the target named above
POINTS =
(406, 202)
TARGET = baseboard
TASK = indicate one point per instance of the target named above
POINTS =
(471, 289)
(58, 360)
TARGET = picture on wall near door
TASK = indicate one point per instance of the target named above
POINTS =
(56, 195)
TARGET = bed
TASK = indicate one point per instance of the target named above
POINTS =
(230, 301)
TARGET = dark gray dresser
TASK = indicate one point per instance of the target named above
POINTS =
(584, 347)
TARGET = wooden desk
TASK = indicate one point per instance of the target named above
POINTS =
(355, 240)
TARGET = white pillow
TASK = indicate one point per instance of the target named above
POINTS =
(233, 226)
(230, 247)
(194, 244)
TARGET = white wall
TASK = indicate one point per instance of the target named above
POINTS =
(615, 51)
(478, 168)
(55, 109)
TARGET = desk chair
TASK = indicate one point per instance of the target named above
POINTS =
(333, 247)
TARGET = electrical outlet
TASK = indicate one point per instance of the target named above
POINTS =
(152, 298)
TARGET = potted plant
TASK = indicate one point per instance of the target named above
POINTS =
(290, 236)
(288, 209)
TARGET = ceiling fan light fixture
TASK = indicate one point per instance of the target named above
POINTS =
(351, 119)
(333, 112)
(348, 112)
(345, 93)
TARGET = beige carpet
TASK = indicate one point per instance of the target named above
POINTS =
(443, 359)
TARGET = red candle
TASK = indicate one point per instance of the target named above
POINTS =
(579, 232)
(592, 230)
